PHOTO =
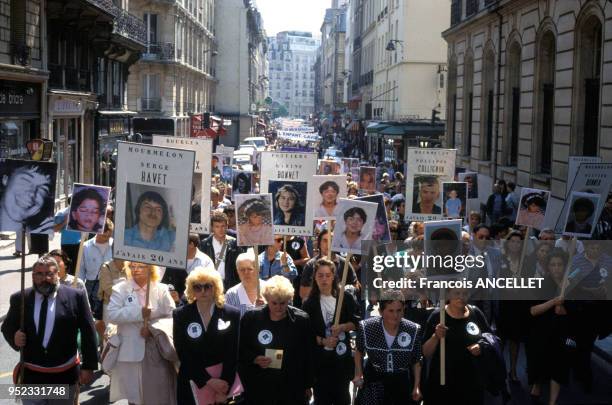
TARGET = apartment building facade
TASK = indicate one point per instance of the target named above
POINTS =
(292, 56)
(175, 78)
(529, 86)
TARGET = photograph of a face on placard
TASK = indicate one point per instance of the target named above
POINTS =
(329, 167)
(532, 207)
(426, 195)
(329, 190)
(454, 199)
(442, 238)
(582, 215)
(471, 179)
(149, 218)
(367, 179)
(88, 208)
(381, 232)
(242, 181)
(289, 202)
(354, 224)
(27, 196)
(254, 219)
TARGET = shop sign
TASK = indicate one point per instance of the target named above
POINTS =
(67, 106)
(19, 98)
(116, 127)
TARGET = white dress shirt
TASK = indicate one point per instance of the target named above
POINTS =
(217, 246)
(38, 299)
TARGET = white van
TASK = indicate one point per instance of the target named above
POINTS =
(258, 141)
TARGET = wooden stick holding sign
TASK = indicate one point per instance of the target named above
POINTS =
(443, 340)
(22, 309)
(257, 270)
(329, 239)
(147, 293)
(77, 268)
(341, 292)
(572, 252)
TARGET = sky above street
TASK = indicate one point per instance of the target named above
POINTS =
(292, 15)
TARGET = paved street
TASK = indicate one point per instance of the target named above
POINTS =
(97, 393)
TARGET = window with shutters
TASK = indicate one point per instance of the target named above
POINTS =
(19, 50)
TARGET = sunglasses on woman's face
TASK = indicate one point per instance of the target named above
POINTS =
(202, 287)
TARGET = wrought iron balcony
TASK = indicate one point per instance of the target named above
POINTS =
(163, 51)
(107, 6)
(130, 27)
(150, 104)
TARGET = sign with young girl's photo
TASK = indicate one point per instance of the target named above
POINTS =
(532, 207)
(254, 219)
(288, 177)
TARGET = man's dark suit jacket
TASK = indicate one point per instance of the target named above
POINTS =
(72, 314)
(231, 253)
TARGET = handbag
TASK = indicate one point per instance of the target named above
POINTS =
(110, 353)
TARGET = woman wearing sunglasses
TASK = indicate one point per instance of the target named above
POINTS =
(141, 375)
(206, 338)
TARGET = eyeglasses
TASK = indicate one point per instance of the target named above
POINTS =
(202, 287)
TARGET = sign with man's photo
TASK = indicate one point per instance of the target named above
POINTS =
(88, 208)
(27, 196)
(288, 177)
(427, 170)
(200, 189)
(153, 204)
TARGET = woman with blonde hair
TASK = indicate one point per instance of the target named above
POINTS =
(276, 349)
(141, 308)
(206, 338)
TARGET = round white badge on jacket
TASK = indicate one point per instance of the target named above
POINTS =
(341, 348)
(472, 328)
(265, 337)
(194, 330)
(404, 339)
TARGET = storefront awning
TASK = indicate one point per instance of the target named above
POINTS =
(393, 130)
(377, 128)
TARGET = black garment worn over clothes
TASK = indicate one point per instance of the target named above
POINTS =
(72, 315)
(464, 382)
(334, 369)
(293, 335)
(199, 348)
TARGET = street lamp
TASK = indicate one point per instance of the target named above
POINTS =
(391, 44)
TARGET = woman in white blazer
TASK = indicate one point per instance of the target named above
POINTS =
(128, 311)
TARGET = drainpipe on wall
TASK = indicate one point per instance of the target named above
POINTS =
(498, 98)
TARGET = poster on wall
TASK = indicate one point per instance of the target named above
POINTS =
(153, 204)
(88, 208)
(288, 177)
(27, 195)
(594, 178)
(199, 218)
(427, 169)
